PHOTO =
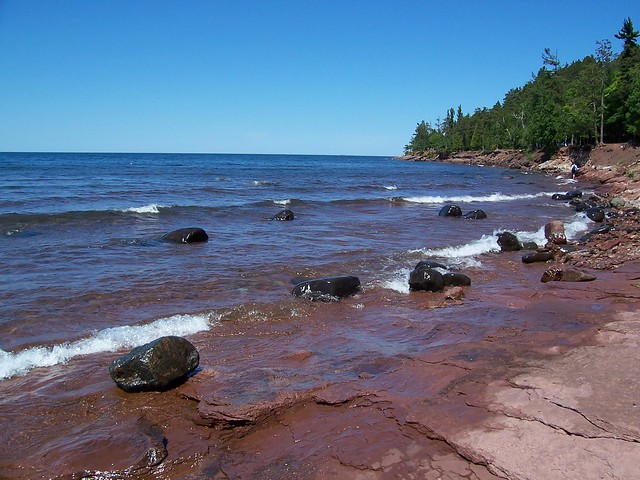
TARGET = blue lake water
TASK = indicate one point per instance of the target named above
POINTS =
(84, 269)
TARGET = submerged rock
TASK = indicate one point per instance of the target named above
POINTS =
(186, 235)
(283, 216)
(327, 288)
(476, 215)
(157, 365)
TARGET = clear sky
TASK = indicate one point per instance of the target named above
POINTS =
(239, 76)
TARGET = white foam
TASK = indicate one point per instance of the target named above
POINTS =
(151, 208)
(457, 254)
(575, 228)
(283, 203)
(494, 197)
(390, 187)
(465, 255)
(399, 282)
(108, 340)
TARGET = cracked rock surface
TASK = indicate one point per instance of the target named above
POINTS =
(574, 417)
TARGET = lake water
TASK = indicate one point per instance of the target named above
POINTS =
(84, 269)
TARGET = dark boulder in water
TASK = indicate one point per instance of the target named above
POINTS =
(596, 214)
(574, 194)
(584, 205)
(158, 365)
(186, 235)
(283, 216)
(327, 288)
(561, 196)
(424, 278)
(529, 245)
(508, 242)
(476, 215)
(455, 279)
(450, 211)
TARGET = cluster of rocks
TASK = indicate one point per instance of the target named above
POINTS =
(596, 249)
(167, 361)
(456, 211)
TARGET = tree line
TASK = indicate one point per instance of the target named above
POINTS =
(590, 101)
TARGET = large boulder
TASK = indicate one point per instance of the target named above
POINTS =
(508, 242)
(327, 288)
(424, 278)
(450, 211)
(158, 365)
(186, 235)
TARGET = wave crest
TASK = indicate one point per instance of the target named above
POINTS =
(108, 340)
(151, 208)
(494, 197)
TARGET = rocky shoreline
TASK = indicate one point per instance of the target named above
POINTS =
(574, 415)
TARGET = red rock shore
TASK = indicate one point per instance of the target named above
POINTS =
(575, 415)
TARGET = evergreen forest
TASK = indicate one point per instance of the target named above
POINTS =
(590, 101)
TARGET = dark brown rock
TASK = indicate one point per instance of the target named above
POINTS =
(508, 242)
(157, 365)
(327, 288)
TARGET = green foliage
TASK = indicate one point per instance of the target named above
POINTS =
(586, 102)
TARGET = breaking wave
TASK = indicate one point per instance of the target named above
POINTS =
(151, 208)
(108, 340)
(494, 197)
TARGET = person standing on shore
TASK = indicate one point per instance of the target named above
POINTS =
(574, 169)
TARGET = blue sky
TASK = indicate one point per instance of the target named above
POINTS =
(318, 77)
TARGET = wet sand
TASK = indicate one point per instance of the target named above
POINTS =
(543, 387)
